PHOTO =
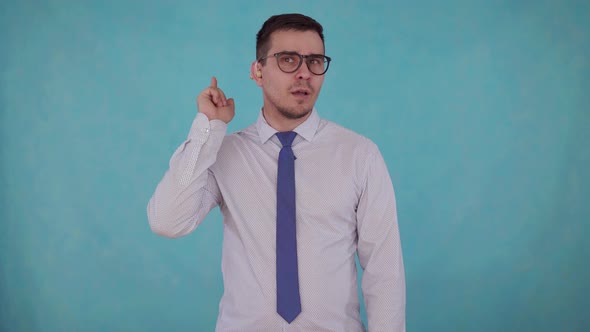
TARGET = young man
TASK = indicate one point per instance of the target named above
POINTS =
(299, 196)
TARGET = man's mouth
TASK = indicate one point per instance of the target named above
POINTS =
(301, 92)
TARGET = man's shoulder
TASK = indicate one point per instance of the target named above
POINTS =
(340, 134)
(246, 134)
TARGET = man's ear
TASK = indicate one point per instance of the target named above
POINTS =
(256, 73)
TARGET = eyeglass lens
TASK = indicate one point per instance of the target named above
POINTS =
(289, 62)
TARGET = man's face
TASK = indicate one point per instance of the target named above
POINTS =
(291, 95)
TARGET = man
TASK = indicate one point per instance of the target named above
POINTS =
(299, 196)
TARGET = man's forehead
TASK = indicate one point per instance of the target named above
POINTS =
(308, 41)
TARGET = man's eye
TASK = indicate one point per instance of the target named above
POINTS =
(288, 59)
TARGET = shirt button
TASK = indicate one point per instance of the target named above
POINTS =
(205, 130)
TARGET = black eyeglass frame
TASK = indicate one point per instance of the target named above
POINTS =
(301, 58)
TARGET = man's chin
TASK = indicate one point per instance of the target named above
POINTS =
(294, 114)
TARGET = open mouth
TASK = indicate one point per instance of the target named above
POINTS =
(300, 93)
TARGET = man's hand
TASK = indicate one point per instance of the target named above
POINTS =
(214, 105)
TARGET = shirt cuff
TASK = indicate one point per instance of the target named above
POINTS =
(202, 128)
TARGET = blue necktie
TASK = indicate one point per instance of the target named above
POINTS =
(288, 301)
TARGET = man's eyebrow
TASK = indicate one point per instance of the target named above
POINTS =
(295, 52)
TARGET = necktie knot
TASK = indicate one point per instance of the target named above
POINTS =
(286, 138)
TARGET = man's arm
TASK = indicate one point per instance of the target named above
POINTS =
(188, 190)
(379, 250)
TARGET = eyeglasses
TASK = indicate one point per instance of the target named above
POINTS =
(289, 62)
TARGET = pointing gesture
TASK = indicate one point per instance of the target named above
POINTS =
(213, 103)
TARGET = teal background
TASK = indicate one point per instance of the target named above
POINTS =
(480, 108)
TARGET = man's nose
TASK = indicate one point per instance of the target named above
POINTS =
(303, 72)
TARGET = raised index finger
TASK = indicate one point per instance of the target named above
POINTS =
(213, 82)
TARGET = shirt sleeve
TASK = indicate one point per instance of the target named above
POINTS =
(188, 190)
(379, 250)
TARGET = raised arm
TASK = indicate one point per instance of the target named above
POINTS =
(188, 190)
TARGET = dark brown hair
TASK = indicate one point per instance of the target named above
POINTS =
(296, 22)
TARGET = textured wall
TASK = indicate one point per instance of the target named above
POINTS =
(481, 110)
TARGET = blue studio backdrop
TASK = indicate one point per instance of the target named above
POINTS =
(480, 108)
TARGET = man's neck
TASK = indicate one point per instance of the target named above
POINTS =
(281, 123)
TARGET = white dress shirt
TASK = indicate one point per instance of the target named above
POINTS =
(345, 204)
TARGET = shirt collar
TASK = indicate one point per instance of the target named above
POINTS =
(306, 130)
